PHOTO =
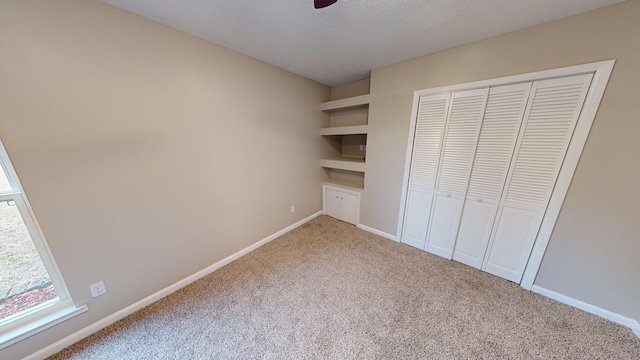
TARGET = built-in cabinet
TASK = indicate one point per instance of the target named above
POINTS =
(341, 204)
(483, 168)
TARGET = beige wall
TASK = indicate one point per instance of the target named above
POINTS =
(145, 151)
(147, 154)
(593, 253)
(356, 88)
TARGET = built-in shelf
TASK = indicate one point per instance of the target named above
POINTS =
(345, 104)
(344, 163)
(344, 130)
(343, 185)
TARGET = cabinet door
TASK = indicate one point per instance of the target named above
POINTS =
(542, 144)
(349, 204)
(332, 202)
(460, 140)
(500, 127)
(432, 113)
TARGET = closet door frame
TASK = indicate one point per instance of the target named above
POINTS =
(601, 72)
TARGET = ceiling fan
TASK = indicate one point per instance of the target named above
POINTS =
(319, 4)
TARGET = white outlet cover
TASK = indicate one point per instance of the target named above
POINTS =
(293, 209)
(97, 289)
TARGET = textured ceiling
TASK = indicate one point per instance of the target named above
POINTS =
(343, 42)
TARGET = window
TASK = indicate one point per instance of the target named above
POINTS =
(32, 294)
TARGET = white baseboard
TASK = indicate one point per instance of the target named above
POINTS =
(636, 328)
(377, 232)
(609, 315)
(81, 334)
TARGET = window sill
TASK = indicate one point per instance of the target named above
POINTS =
(40, 320)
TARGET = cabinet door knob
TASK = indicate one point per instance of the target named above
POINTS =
(448, 195)
(479, 200)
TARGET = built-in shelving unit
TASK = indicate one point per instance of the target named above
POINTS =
(347, 134)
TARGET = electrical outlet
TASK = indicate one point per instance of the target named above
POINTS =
(97, 289)
(293, 209)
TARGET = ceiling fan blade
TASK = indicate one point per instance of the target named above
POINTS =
(319, 4)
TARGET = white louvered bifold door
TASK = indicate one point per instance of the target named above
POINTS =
(430, 123)
(458, 149)
(502, 119)
(547, 128)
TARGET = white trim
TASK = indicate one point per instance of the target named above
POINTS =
(635, 327)
(569, 165)
(601, 70)
(43, 316)
(33, 227)
(104, 322)
(407, 163)
(592, 309)
(377, 232)
(514, 79)
(51, 315)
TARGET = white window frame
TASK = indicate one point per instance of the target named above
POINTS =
(601, 72)
(22, 325)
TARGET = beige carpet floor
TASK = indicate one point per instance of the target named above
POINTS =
(328, 290)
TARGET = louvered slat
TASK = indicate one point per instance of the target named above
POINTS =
(429, 128)
(503, 115)
(460, 142)
(548, 128)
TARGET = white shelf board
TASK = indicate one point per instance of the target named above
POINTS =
(343, 185)
(344, 104)
(343, 163)
(344, 130)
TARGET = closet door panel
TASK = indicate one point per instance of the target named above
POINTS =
(513, 241)
(502, 119)
(430, 124)
(415, 221)
(458, 151)
(444, 225)
(475, 230)
(546, 132)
